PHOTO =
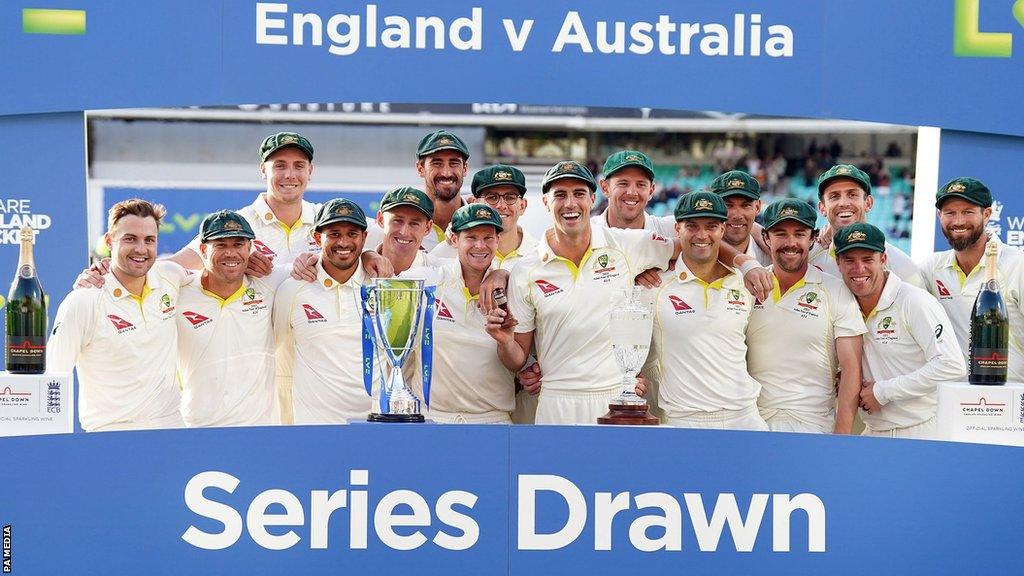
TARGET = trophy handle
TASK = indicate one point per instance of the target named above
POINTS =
(427, 346)
(366, 294)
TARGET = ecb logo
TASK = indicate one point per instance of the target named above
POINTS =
(969, 40)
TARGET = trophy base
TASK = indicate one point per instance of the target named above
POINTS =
(629, 415)
(396, 418)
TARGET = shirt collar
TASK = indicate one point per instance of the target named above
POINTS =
(267, 215)
(948, 259)
(117, 291)
(730, 280)
(324, 280)
(889, 292)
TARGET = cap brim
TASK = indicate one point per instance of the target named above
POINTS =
(744, 193)
(464, 153)
(308, 153)
(794, 219)
(591, 185)
(856, 245)
(824, 183)
(721, 217)
(518, 186)
(631, 165)
(940, 201)
(475, 223)
(230, 234)
(335, 220)
(390, 207)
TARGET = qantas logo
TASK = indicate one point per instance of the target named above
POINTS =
(547, 287)
(195, 318)
(680, 306)
(120, 324)
(658, 237)
(443, 313)
(312, 315)
(263, 248)
(943, 291)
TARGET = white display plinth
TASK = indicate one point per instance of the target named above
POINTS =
(36, 404)
(983, 414)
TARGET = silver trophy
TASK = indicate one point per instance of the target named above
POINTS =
(630, 326)
(394, 308)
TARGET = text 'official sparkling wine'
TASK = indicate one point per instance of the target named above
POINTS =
(990, 328)
(26, 315)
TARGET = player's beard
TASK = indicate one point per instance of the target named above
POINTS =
(964, 242)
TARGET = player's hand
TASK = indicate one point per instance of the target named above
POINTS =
(500, 325)
(641, 386)
(758, 281)
(530, 378)
(260, 264)
(825, 236)
(868, 401)
(650, 278)
(493, 279)
(304, 267)
(376, 266)
(92, 277)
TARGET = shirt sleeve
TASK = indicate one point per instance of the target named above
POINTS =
(645, 249)
(284, 342)
(374, 235)
(194, 245)
(72, 329)
(904, 267)
(520, 302)
(944, 362)
(847, 320)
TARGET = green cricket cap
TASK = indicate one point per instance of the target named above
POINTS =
(859, 235)
(844, 171)
(625, 159)
(472, 215)
(498, 175)
(736, 183)
(966, 188)
(408, 196)
(225, 224)
(790, 209)
(568, 169)
(275, 142)
(339, 210)
(701, 204)
(441, 140)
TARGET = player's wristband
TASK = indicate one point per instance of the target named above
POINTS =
(748, 266)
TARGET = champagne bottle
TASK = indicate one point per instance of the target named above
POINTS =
(26, 315)
(990, 328)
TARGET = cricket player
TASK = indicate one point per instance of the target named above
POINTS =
(470, 384)
(909, 348)
(442, 160)
(628, 183)
(742, 195)
(122, 338)
(955, 276)
(225, 335)
(318, 325)
(844, 198)
(560, 295)
(701, 312)
(808, 329)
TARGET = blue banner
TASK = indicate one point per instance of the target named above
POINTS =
(952, 64)
(446, 500)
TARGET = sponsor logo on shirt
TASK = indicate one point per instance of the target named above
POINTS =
(443, 313)
(679, 305)
(252, 301)
(944, 293)
(659, 238)
(604, 267)
(313, 316)
(120, 324)
(195, 318)
(886, 329)
(166, 305)
(263, 248)
(808, 300)
(547, 288)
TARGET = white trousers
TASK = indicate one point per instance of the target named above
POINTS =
(927, 430)
(563, 407)
(795, 421)
(493, 417)
(526, 408)
(745, 419)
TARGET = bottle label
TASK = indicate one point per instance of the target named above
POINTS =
(26, 349)
(26, 271)
(989, 362)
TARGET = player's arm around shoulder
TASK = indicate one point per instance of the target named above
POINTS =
(73, 328)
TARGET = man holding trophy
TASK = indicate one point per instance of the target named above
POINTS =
(559, 295)
(701, 314)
